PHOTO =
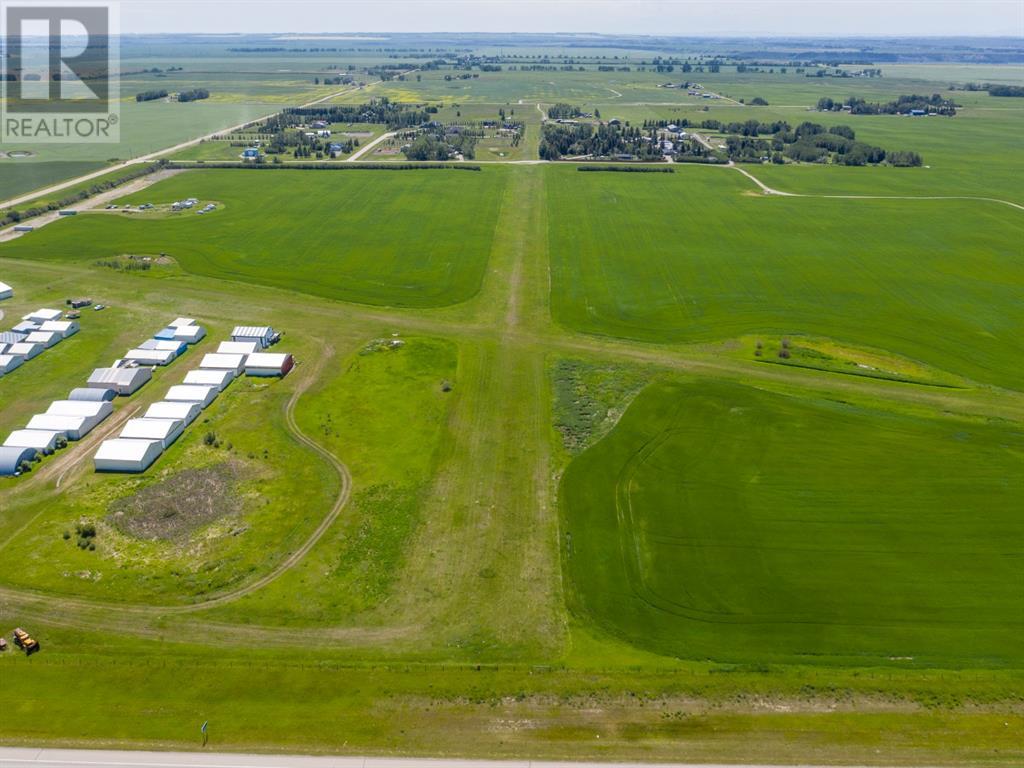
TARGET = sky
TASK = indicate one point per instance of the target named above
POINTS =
(655, 17)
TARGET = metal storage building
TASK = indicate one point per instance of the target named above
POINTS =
(178, 322)
(25, 327)
(86, 408)
(72, 427)
(64, 327)
(40, 440)
(42, 315)
(165, 345)
(25, 349)
(150, 356)
(238, 347)
(9, 362)
(126, 455)
(6, 292)
(11, 337)
(181, 410)
(218, 362)
(268, 364)
(192, 393)
(46, 338)
(164, 430)
(210, 377)
(12, 458)
(190, 334)
(92, 394)
(124, 381)
(261, 334)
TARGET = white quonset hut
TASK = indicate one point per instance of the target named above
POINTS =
(164, 430)
(126, 455)
(46, 338)
(268, 364)
(124, 381)
(181, 411)
(6, 292)
(213, 361)
(261, 334)
(210, 378)
(64, 327)
(39, 440)
(42, 315)
(192, 393)
(25, 349)
(11, 459)
(238, 347)
(92, 394)
(9, 362)
(150, 356)
(72, 427)
(190, 334)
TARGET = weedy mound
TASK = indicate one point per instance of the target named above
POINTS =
(173, 508)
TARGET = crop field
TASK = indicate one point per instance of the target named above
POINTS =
(572, 465)
(713, 522)
(315, 233)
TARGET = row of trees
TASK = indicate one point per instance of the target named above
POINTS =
(935, 103)
(562, 111)
(196, 94)
(379, 111)
(807, 143)
(151, 95)
(597, 141)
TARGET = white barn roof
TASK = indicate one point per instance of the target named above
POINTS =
(46, 338)
(190, 334)
(238, 347)
(124, 381)
(210, 377)
(219, 362)
(150, 356)
(42, 315)
(164, 430)
(72, 427)
(180, 410)
(64, 327)
(42, 440)
(9, 362)
(191, 393)
(179, 322)
(126, 455)
(5, 291)
(86, 408)
(25, 349)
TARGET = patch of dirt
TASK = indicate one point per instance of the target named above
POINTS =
(174, 507)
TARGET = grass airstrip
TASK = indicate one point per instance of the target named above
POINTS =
(530, 489)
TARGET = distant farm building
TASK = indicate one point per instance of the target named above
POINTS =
(192, 393)
(42, 315)
(261, 334)
(64, 327)
(124, 381)
(182, 411)
(164, 430)
(9, 362)
(209, 377)
(238, 347)
(41, 441)
(92, 395)
(150, 356)
(222, 362)
(6, 292)
(268, 364)
(11, 459)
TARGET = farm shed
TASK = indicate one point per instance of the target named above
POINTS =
(11, 458)
(219, 362)
(164, 430)
(9, 362)
(268, 364)
(6, 292)
(179, 322)
(25, 349)
(124, 381)
(192, 393)
(209, 378)
(126, 455)
(150, 356)
(238, 347)
(183, 411)
(42, 315)
(261, 334)
(11, 337)
(72, 427)
(93, 395)
(164, 345)
(40, 440)
(190, 334)
(166, 334)
(46, 338)
(25, 327)
(88, 409)
(64, 327)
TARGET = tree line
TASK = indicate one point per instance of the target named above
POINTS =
(935, 103)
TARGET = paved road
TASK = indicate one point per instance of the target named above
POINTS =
(19, 757)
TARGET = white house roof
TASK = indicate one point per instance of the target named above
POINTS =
(266, 360)
(172, 410)
(150, 429)
(190, 393)
(222, 362)
(40, 439)
(84, 408)
(238, 347)
(253, 331)
(42, 315)
(178, 322)
(125, 449)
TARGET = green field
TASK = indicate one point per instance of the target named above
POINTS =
(721, 521)
(317, 233)
(610, 466)
(692, 256)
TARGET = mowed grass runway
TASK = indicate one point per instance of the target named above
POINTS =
(694, 256)
(398, 238)
(721, 521)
